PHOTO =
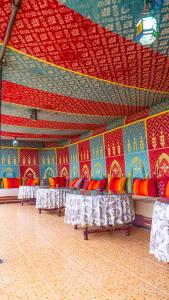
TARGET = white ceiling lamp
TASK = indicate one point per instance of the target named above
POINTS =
(147, 31)
(15, 142)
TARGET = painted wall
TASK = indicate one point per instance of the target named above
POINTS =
(139, 149)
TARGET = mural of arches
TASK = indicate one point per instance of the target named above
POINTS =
(115, 169)
(162, 165)
(30, 173)
(49, 172)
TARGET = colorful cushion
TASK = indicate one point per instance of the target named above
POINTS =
(57, 181)
(30, 182)
(117, 185)
(145, 187)
(92, 182)
(9, 183)
(102, 184)
(136, 186)
(73, 182)
(61, 181)
(85, 184)
(78, 183)
(16, 182)
(96, 185)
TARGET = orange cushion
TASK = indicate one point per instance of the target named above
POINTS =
(36, 181)
(7, 183)
(122, 185)
(91, 184)
(167, 189)
(96, 184)
(117, 185)
(136, 186)
(73, 182)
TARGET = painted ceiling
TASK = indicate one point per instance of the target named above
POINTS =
(78, 64)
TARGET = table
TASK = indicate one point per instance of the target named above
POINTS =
(50, 198)
(159, 238)
(100, 209)
(27, 192)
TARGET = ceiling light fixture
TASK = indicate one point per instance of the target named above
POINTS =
(15, 142)
(147, 26)
(34, 114)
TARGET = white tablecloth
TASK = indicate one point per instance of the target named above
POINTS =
(159, 239)
(27, 192)
(50, 198)
(100, 210)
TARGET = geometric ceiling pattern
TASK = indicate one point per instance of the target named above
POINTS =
(78, 64)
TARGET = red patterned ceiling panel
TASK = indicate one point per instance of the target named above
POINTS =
(18, 121)
(53, 32)
(30, 135)
(18, 94)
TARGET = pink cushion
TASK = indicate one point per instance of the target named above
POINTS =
(78, 183)
(162, 185)
(85, 183)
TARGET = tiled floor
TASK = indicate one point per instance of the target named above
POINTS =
(46, 259)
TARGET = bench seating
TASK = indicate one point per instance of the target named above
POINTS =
(9, 195)
(143, 206)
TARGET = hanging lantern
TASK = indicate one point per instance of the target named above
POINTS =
(147, 29)
(15, 142)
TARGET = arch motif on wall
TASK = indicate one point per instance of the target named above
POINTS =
(64, 173)
(85, 172)
(48, 173)
(160, 168)
(30, 173)
(97, 170)
(9, 172)
(131, 174)
(115, 163)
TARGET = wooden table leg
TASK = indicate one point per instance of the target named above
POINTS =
(127, 230)
(59, 211)
(85, 233)
(40, 210)
(22, 202)
(75, 226)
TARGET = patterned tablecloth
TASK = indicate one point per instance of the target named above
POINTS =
(100, 210)
(48, 198)
(159, 239)
(27, 192)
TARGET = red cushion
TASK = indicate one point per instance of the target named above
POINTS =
(30, 182)
(16, 182)
(59, 181)
(152, 187)
(113, 184)
(102, 184)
